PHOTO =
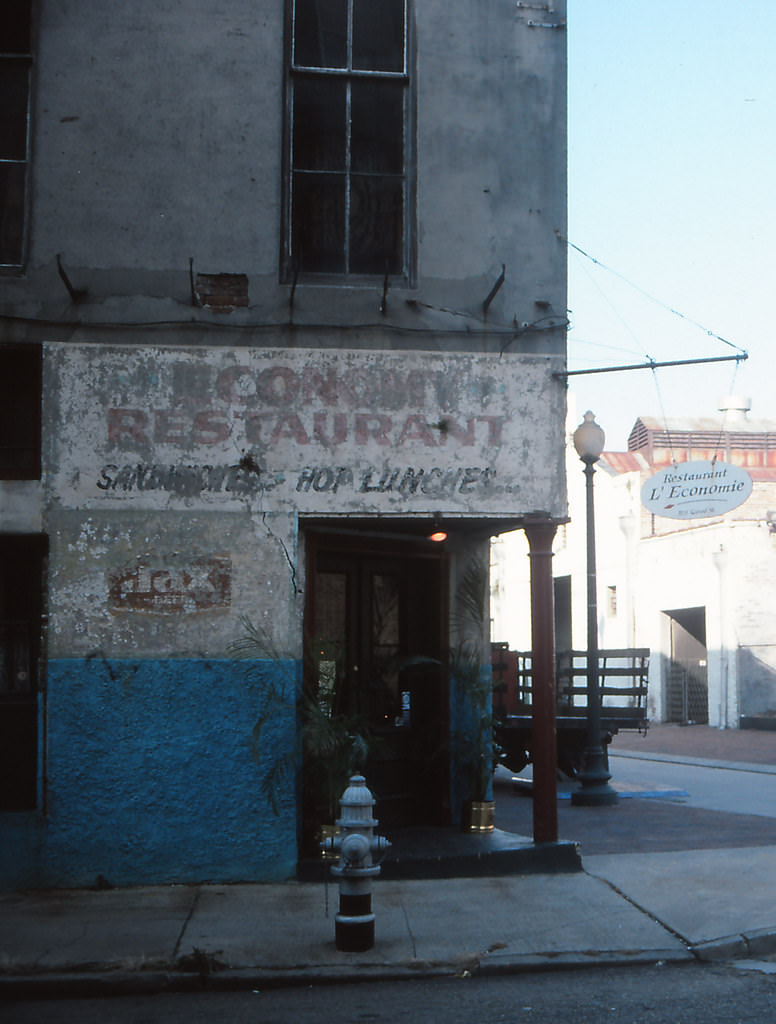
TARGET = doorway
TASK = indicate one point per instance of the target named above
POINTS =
(376, 637)
(687, 687)
(562, 595)
(22, 561)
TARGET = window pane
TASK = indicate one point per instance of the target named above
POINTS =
(378, 35)
(385, 703)
(318, 216)
(319, 124)
(20, 384)
(15, 26)
(321, 33)
(376, 219)
(13, 109)
(377, 127)
(11, 213)
(331, 640)
(348, 160)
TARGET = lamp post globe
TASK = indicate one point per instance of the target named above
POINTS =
(589, 438)
(594, 790)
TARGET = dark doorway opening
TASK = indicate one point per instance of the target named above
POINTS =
(21, 605)
(375, 642)
(687, 685)
(562, 593)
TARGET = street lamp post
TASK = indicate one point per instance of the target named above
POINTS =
(595, 790)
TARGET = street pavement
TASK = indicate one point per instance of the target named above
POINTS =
(655, 879)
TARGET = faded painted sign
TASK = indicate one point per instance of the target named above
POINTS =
(317, 430)
(199, 585)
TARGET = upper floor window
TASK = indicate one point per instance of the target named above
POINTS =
(347, 202)
(15, 64)
(20, 411)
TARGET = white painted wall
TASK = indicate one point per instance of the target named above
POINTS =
(726, 566)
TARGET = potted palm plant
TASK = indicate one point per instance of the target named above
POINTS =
(334, 744)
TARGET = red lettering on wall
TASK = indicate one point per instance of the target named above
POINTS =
(278, 385)
(372, 426)
(209, 428)
(236, 385)
(416, 429)
(130, 424)
(315, 385)
(339, 427)
(289, 426)
(253, 425)
(201, 584)
(168, 428)
(449, 428)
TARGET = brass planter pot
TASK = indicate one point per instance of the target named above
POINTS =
(477, 816)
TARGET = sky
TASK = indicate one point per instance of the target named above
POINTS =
(672, 165)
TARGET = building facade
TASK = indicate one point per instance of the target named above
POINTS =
(698, 593)
(282, 292)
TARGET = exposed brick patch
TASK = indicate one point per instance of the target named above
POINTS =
(222, 292)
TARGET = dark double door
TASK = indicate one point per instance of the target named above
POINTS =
(376, 642)
(21, 602)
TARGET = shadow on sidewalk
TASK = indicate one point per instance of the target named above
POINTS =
(637, 825)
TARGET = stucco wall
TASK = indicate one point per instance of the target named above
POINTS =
(726, 568)
(165, 145)
(170, 584)
(183, 445)
(150, 142)
(153, 776)
(492, 91)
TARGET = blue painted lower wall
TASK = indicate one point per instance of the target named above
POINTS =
(153, 776)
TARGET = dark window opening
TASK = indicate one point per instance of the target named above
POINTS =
(15, 65)
(347, 204)
(20, 412)
(21, 582)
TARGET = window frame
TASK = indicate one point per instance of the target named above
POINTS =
(21, 367)
(289, 270)
(12, 58)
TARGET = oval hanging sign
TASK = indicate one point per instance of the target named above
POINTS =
(696, 490)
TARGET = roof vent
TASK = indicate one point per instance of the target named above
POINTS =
(734, 408)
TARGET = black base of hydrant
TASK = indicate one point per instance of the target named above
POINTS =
(354, 925)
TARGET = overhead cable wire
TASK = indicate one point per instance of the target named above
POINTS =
(615, 312)
(663, 414)
(682, 316)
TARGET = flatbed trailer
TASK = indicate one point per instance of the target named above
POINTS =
(623, 679)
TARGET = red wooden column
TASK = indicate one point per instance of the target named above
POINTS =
(540, 534)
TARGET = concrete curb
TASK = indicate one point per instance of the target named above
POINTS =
(699, 762)
(118, 982)
(730, 947)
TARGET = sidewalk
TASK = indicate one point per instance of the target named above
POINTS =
(655, 907)
(752, 746)
(258, 935)
(619, 909)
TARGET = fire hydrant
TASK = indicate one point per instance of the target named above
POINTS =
(356, 844)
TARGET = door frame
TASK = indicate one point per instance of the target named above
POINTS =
(361, 547)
